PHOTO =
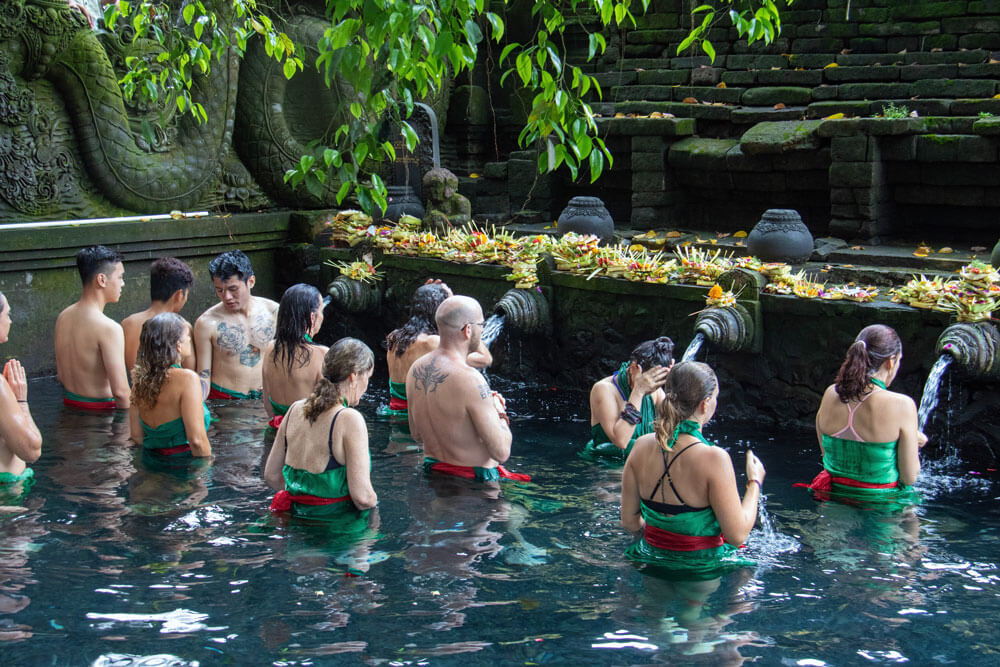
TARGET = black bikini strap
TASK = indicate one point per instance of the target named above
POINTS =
(329, 442)
(666, 473)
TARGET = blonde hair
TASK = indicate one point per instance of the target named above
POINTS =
(346, 356)
(688, 384)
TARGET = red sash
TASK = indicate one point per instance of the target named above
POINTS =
(468, 472)
(283, 500)
(275, 420)
(664, 539)
(170, 451)
(109, 404)
(398, 403)
(824, 482)
(215, 393)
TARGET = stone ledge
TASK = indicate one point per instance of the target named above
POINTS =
(780, 137)
(664, 127)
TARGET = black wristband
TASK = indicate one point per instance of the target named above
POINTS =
(631, 415)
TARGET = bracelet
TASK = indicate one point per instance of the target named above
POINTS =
(25, 401)
(504, 416)
(631, 415)
(757, 482)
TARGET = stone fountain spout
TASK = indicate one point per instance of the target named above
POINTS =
(731, 329)
(975, 348)
(354, 296)
(526, 310)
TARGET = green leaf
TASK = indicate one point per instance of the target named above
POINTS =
(345, 189)
(506, 51)
(288, 69)
(496, 23)
(596, 165)
(709, 50)
(556, 62)
(472, 32)
(328, 156)
(524, 67)
(188, 14)
(409, 136)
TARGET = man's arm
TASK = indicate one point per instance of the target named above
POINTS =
(411, 392)
(112, 350)
(481, 358)
(190, 361)
(17, 428)
(485, 411)
(131, 342)
(203, 349)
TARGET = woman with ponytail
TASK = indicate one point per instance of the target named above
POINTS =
(419, 336)
(293, 363)
(320, 456)
(868, 435)
(623, 405)
(167, 415)
(679, 490)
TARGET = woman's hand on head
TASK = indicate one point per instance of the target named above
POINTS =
(652, 379)
(755, 469)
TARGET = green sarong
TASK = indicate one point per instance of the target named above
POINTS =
(600, 448)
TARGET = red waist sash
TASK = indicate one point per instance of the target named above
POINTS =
(283, 500)
(469, 472)
(275, 420)
(104, 404)
(398, 403)
(215, 393)
(825, 481)
(170, 451)
(664, 539)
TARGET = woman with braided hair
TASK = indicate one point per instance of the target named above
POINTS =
(679, 490)
(868, 436)
(320, 457)
(167, 415)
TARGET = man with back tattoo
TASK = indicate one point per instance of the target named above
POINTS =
(463, 425)
(230, 336)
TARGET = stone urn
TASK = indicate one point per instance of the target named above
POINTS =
(995, 257)
(402, 200)
(780, 236)
(587, 215)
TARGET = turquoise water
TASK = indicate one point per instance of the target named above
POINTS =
(113, 561)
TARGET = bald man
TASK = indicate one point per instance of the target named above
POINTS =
(463, 425)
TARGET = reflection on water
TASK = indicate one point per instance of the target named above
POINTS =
(112, 555)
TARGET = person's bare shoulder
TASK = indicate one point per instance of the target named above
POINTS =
(210, 317)
(267, 304)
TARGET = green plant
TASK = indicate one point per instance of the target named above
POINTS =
(985, 114)
(891, 110)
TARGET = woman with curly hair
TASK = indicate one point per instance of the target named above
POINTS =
(416, 338)
(868, 436)
(168, 416)
(679, 490)
(320, 457)
(293, 363)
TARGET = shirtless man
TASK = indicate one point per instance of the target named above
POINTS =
(170, 280)
(90, 346)
(230, 336)
(463, 425)
(20, 441)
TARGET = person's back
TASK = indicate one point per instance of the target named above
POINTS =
(452, 410)
(170, 280)
(293, 363)
(89, 346)
(20, 440)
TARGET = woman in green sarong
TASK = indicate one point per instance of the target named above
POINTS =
(679, 490)
(293, 363)
(20, 440)
(868, 436)
(320, 464)
(622, 405)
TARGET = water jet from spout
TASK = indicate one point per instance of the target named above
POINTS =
(492, 329)
(692, 349)
(929, 400)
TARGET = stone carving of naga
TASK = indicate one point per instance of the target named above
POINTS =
(56, 69)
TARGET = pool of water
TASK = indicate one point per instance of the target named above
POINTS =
(112, 562)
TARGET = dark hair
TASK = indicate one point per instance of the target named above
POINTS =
(870, 349)
(298, 303)
(1, 298)
(425, 303)
(346, 356)
(95, 259)
(229, 264)
(688, 384)
(657, 352)
(157, 352)
(166, 276)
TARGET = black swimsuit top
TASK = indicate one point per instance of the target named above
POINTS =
(667, 508)
(332, 464)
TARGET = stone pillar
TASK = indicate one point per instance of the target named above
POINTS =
(859, 197)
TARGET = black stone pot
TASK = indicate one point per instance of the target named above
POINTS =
(587, 215)
(402, 200)
(780, 236)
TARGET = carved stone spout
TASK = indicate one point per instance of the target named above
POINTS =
(526, 310)
(354, 296)
(731, 328)
(975, 347)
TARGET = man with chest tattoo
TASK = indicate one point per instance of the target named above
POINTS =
(230, 336)
(463, 425)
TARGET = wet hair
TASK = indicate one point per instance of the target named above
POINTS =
(658, 352)
(870, 349)
(298, 303)
(95, 259)
(688, 384)
(5, 305)
(425, 303)
(346, 356)
(157, 352)
(166, 276)
(229, 264)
